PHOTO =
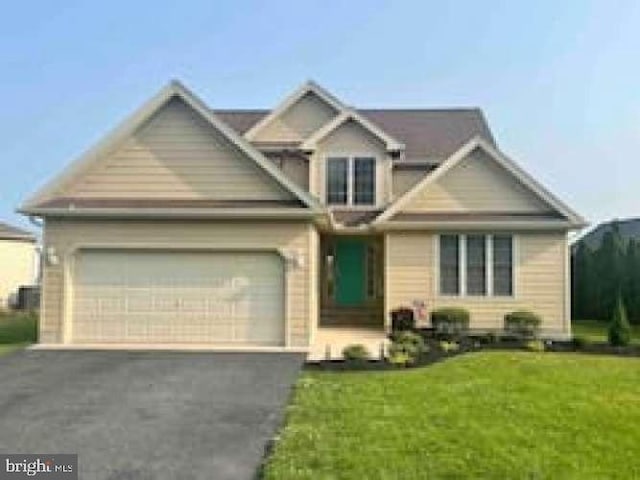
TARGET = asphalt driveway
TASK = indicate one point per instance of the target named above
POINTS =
(146, 415)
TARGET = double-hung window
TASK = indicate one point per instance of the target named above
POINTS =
(351, 180)
(476, 265)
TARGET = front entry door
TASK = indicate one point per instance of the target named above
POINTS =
(350, 272)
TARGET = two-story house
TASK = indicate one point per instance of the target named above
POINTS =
(257, 229)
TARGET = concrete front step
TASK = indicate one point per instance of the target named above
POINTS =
(330, 341)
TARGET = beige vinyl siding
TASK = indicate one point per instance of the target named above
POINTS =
(177, 154)
(17, 268)
(540, 279)
(294, 167)
(298, 121)
(67, 237)
(403, 180)
(477, 183)
(351, 139)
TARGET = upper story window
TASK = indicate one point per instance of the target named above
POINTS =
(476, 265)
(351, 180)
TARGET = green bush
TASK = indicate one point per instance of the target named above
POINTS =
(407, 343)
(450, 322)
(18, 327)
(579, 342)
(400, 359)
(491, 338)
(522, 323)
(402, 319)
(448, 347)
(619, 332)
(355, 353)
(534, 346)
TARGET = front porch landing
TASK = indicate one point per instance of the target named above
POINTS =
(329, 342)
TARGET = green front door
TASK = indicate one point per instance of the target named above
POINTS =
(350, 272)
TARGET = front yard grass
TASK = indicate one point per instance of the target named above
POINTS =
(487, 415)
(596, 331)
(17, 329)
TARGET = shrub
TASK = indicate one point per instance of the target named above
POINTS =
(534, 346)
(448, 347)
(407, 343)
(402, 319)
(522, 323)
(492, 338)
(579, 342)
(450, 322)
(400, 359)
(355, 353)
(18, 327)
(619, 332)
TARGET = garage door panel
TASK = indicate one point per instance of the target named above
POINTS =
(178, 297)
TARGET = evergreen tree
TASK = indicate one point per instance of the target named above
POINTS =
(583, 283)
(609, 272)
(631, 280)
(619, 329)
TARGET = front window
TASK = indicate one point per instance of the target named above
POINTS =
(449, 265)
(364, 180)
(476, 265)
(351, 180)
(502, 265)
(337, 181)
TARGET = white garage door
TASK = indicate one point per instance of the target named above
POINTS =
(178, 297)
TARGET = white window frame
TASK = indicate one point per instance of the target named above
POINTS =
(351, 157)
(462, 266)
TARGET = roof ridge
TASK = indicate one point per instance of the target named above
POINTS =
(364, 109)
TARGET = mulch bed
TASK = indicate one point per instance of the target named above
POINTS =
(468, 345)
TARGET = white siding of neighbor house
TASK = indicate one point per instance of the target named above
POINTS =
(477, 183)
(541, 279)
(353, 140)
(67, 237)
(176, 154)
(298, 121)
(17, 268)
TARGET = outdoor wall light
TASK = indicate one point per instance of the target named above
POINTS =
(51, 256)
(294, 259)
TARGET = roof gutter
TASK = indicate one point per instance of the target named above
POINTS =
(226, 213)
(470, 224)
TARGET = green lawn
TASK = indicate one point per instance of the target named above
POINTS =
(4, 349)
(596, 331)
(17, 329)
(488, 415)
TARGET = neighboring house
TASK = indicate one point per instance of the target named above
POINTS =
(266, 228)
(17, 262)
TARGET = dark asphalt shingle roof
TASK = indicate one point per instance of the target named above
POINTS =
(9, 232)
(427, 133)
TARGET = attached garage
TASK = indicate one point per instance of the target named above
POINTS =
(156, 296)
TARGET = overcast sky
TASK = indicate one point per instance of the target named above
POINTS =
(558, 81)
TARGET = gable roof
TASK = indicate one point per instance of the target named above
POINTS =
(9, 232)
(311, 143)
(128, 127)
(509, 165)
(427, 134)
(306, 88)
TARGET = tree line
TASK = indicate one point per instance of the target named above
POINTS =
(601, 275)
